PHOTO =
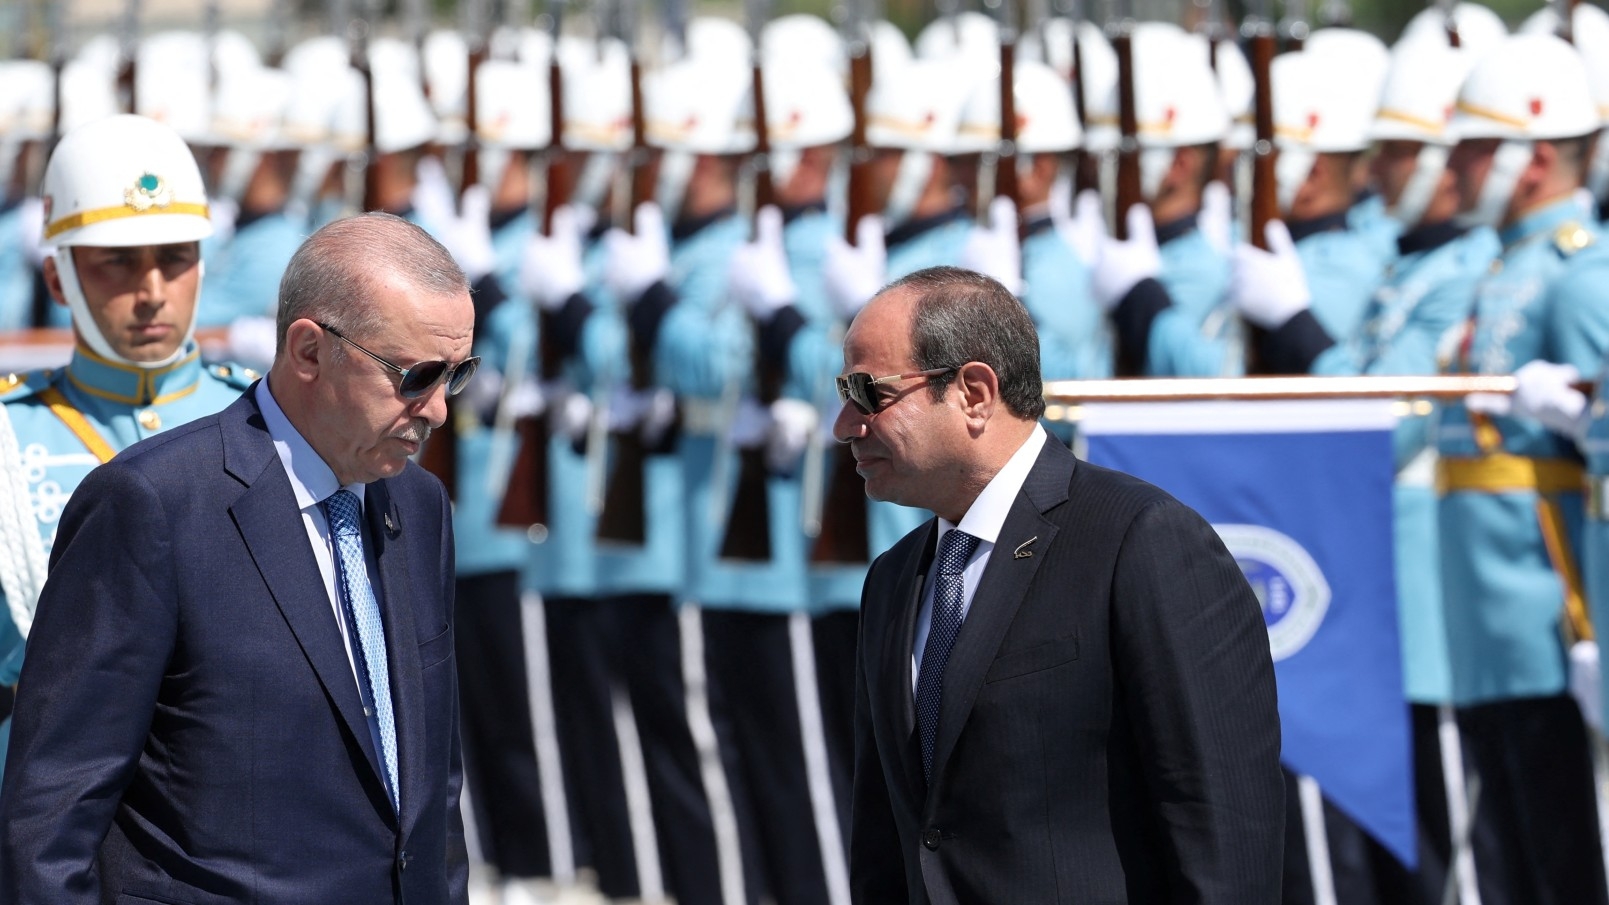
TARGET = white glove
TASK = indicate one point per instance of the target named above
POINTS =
(1543, 393)
(467, 236)
(1083, 227)
(1584, 684)
(550, 268)
(758, 275)
(792, 423)
(31, 219)
(1217, 217)
(1123, 263)
(995, 250)
(1269, 287)
(638, 261)
(484, 392)
(750, 424)
(252, 340)
(223, 212)
(650, 412)
(572, 416)
(525, 399)
(854, 273)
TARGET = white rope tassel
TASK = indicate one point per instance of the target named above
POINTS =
(723, 816)
(817, 776)
(545, 736)
(639, 807)
(23, 563)
(1461, 883)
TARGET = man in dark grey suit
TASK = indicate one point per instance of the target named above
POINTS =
(1064, 689)
(241, 685)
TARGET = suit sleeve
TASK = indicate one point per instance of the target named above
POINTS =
(457, 848)
(103, 635)
(876, 864)
(1196, 683)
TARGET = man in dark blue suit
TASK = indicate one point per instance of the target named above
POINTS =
(240, 685)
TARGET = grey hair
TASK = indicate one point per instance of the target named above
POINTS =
(330, 279)
(963, 316)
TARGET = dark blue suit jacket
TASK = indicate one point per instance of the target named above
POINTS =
(188, 729)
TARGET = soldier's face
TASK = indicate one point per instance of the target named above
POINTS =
(370, 426)
(143, 298)
(1393, 166)
(1470, 162)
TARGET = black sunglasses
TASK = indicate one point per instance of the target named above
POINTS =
(423, 375)
(858, 387)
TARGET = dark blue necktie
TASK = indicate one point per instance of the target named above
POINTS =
(363, 621)
(949, 592)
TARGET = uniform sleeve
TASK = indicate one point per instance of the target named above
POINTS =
(1578, 313)
(1196, 682)
(103, 634)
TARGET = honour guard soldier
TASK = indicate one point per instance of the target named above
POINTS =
(1511, 502)
(126, 212)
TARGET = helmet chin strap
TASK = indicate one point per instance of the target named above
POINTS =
(1416, 194)
(1291, 169)
(670, 190)
(593, 183)
(1508, 163)
(915, 168)
(91, 333)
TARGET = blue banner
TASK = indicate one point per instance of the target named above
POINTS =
(1301, 493)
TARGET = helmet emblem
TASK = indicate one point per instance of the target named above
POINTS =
(148, 191)
(1536, 106)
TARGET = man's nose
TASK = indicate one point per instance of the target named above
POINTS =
(433, 405)
(850, 423)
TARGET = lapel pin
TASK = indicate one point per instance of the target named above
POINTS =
(390, 526)
(1022, 551)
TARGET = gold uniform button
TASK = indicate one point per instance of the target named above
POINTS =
(150, 420)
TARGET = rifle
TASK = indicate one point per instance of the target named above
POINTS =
(1264, 188)
(1086, 166)
(1293, 28)
(624, 517)
(1564, 11)
(357, 35)
(748, 527)
(1449, 20)
(278, 39)
(841, 533)
(1005, 166)
(128, 51)
(1128, 148)
(526, 499)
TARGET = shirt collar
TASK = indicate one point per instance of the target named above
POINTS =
(312, 481)
(1543, 219)
(987, 514)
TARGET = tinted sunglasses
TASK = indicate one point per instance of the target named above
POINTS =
(860, 387)
(422, 376)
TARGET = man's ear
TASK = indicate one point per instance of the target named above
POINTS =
(979, 387)
(302, 350)
(52, 274)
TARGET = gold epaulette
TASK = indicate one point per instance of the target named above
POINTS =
(1571, 237)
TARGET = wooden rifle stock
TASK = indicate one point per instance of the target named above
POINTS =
(843, 536)
(748, 526)
(1086, 166)
(1005, 168)
(526, 499)
(1128, 159)
(1264, 187)
(624, 517)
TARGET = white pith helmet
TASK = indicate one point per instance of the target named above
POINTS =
(1176, 97)
(917, 108)
(597, 95)
(1312, 109)
(513, 108)
(1531, 86)
(1479, 29)
(1421, 92)
(123, 180)
(805, 105)
(1100, 88)
(890, 49)
(250, 108)
(1238, 89)
(1588, 24)
(713, 39)
(802, 35)
(968, 34)
(693, 105)
(88, 93)
(1361, 57)
(445, 58)
(174, 91)
(529, 45)
(1047, 122)
(117, 182)
(402, 116)
(27, 99)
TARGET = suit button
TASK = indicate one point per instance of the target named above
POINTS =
(930, 838)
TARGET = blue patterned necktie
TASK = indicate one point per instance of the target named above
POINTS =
(949, 591)
(363, 622)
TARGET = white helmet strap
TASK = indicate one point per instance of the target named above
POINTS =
(915, 169)
(1598, 169)
(1508, 163)
(1421, 186)
(1291, 170)
(237, 172)
(670, 190)
(593, 182)
(784, 163)
(1154, 166)
(84, 323)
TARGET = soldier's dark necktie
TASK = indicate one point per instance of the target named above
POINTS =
(949, 592)
(365, 629)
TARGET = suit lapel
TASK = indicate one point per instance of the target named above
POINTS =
(1000, 592)
(271, 527)
(897, 646)
(402, 646)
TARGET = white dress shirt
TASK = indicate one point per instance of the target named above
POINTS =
(983, 520)
(313, 482)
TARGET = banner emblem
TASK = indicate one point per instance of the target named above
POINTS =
(1288, 583)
